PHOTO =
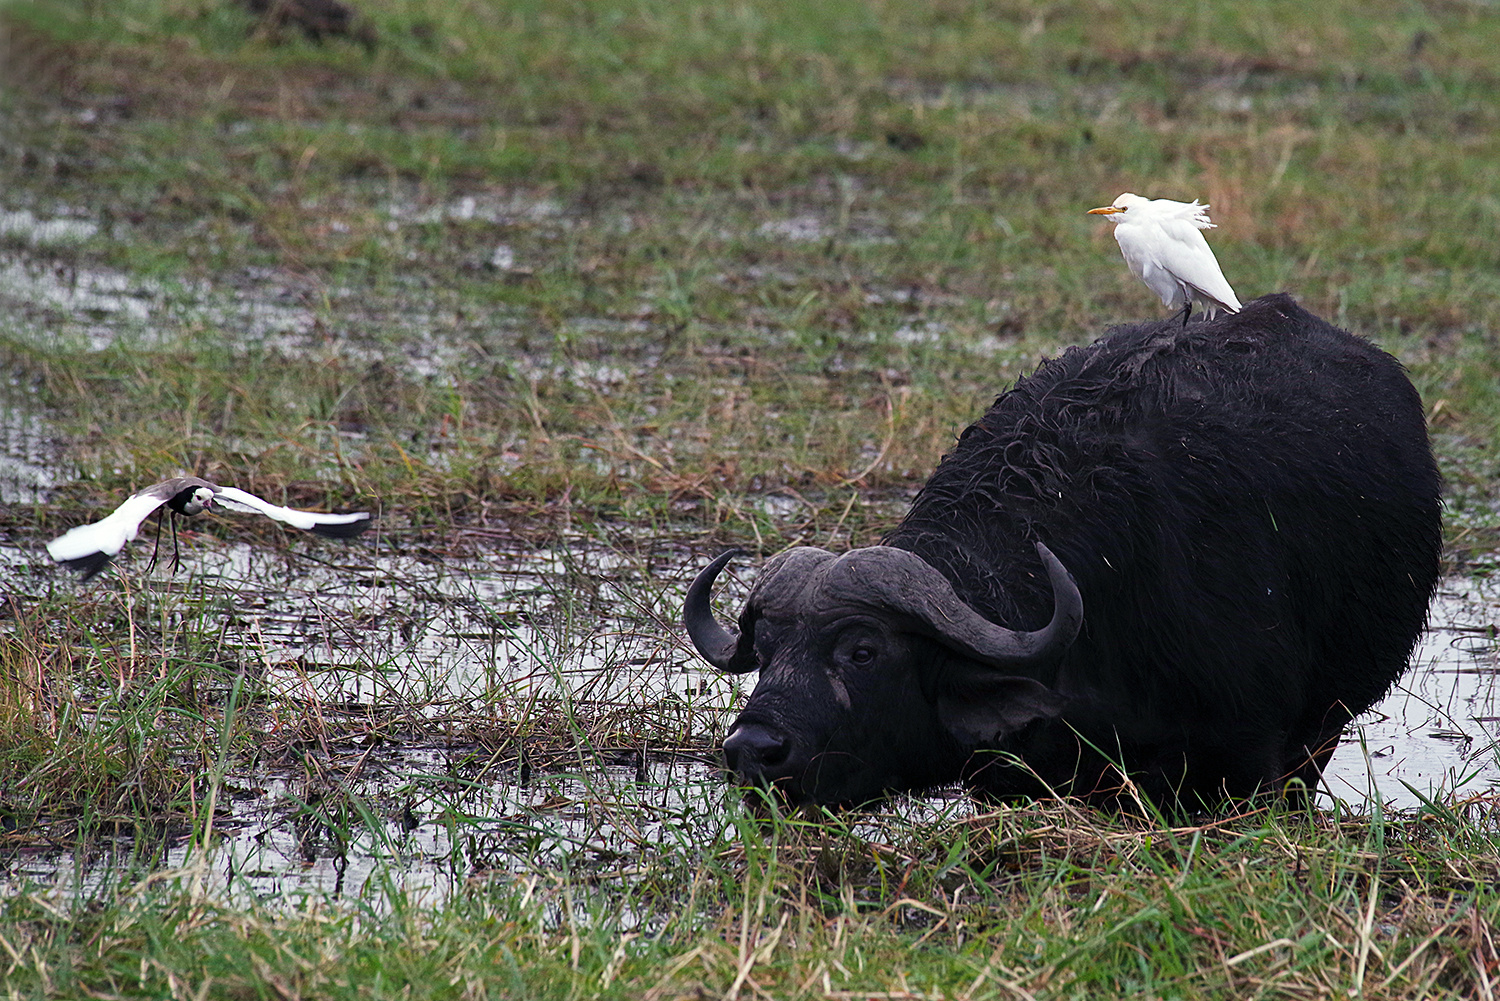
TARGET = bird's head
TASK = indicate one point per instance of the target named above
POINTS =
(1122, 207)
(193, 501)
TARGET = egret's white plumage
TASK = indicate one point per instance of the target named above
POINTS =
(89, 548)
(1164, 247)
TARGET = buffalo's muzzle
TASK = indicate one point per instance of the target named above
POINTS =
(755, 752)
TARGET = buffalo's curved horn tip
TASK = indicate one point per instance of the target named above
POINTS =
(713, 642)
(960, 626)
(1067, 604)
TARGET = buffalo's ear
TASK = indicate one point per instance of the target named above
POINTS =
(985, 709)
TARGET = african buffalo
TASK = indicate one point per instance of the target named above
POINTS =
(1173, 563)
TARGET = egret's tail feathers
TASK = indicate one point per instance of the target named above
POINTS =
(1210, 304)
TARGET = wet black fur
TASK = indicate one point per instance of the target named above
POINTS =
(1251, 511)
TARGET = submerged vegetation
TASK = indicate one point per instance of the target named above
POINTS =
(574, 293)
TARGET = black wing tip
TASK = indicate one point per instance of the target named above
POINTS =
(88, 566)
(342, 530)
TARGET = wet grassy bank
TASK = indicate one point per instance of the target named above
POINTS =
(572, 295)
(1043, 902)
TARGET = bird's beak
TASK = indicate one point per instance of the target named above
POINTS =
(1105, 210)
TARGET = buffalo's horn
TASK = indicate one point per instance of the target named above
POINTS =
(1050, 641)
(909, 584)
(713, 642)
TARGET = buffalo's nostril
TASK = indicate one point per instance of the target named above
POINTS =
(753, 750)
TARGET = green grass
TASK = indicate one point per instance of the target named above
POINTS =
(655, 275)
(751, 247)
(1032, 903)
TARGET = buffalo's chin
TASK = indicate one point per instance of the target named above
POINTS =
(765, 797)
(766, 802)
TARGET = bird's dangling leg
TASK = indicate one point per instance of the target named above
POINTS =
(156, 544)
(1187, 311)
(176, 556)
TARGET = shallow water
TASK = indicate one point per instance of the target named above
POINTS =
(351, 631)
(354, 635)
(29, 453)
(427, 829)
(360, 626)
(1435, 733)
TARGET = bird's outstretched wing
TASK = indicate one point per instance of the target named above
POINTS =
(89, 548)
(334, 526)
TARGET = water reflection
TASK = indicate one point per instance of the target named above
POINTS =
(1436, 732)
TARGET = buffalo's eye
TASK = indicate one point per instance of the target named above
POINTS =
(862, 656)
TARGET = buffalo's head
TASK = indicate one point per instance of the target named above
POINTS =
(874, 675)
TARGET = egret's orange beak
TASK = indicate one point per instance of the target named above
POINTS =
(1105, 210)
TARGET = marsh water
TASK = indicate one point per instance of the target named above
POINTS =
(391, 674)
(357, 637)
(1435, 734)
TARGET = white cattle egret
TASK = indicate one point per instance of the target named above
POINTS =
(89, 548)
(1162, 244)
